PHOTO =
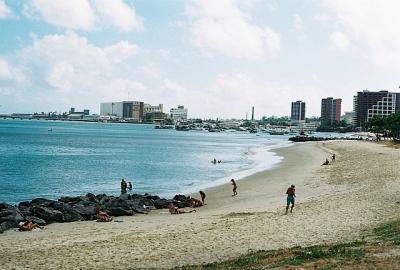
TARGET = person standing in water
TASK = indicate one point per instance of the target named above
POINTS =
(130, 186)
(234, 187)
(290, 198)
(123, 186)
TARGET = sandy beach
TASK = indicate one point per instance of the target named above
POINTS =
(334, 203)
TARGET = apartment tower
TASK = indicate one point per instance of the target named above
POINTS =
(330, 110)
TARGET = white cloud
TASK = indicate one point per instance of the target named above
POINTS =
(119, 14)
(67, 69)
(121, 51)
(11, 74)
(84, 14)
(5, 11)
(340, 41)
(5, 70)
(76, 14)
(373, 25)
(151, 71)
(223, 27)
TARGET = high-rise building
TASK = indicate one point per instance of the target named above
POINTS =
(131, 110)
(179, 113)
(298, 114)
(367, 104)
(330, 110)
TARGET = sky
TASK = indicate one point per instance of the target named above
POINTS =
(217, 57)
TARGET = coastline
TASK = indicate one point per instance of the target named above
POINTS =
(330, 200)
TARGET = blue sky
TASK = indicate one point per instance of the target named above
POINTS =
(217, 57)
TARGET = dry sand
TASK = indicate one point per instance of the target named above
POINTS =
(334, 203)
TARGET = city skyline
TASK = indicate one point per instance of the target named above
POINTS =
(218, 58)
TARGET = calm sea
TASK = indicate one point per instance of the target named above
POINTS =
(76, 158)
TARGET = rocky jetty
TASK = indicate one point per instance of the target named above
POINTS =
(317, 139)
(68, 209)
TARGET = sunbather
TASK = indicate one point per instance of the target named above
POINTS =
(195, 202)
(174, 210)
(102, 216)
(27, 226)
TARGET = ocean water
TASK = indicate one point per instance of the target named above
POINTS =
(76, 158)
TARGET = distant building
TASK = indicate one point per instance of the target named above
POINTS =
(74, 115)
(367, 104)
(330, 110)
(130, 110)
(155, 117)
(298, 113)
(150, 109)
(179, 113)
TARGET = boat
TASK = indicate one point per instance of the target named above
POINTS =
(163, 126)
(182, 126)
(275, 132)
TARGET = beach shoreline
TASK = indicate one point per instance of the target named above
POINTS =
(329, 202)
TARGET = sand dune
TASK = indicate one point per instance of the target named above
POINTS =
(335, 203)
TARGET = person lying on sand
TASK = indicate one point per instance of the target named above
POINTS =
(102, 216)
(28, 226)
(174, 210)
(195, 202)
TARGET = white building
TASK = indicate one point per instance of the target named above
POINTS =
(179, 113)
(384, 107)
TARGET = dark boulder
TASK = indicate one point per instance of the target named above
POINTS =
(4, 226)
(180, 197)
(118, 211)
(36, 220)
(4, 206)
(68, 212)
(70, 200)
(118, 203)
(181, 201)
(26, 211)
(92, 198)
(11, 214)
(152, 197)
(162, 203)
(147, 204)
(106, 199)
(136, 196)
(125, 196)
(24, 204)
(48, 214)
(86, 209)
(141, 210)
(42, 202)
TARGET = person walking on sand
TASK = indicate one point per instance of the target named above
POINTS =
(203, 196)
(333, 157)
(234, 187)
(290, 198)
